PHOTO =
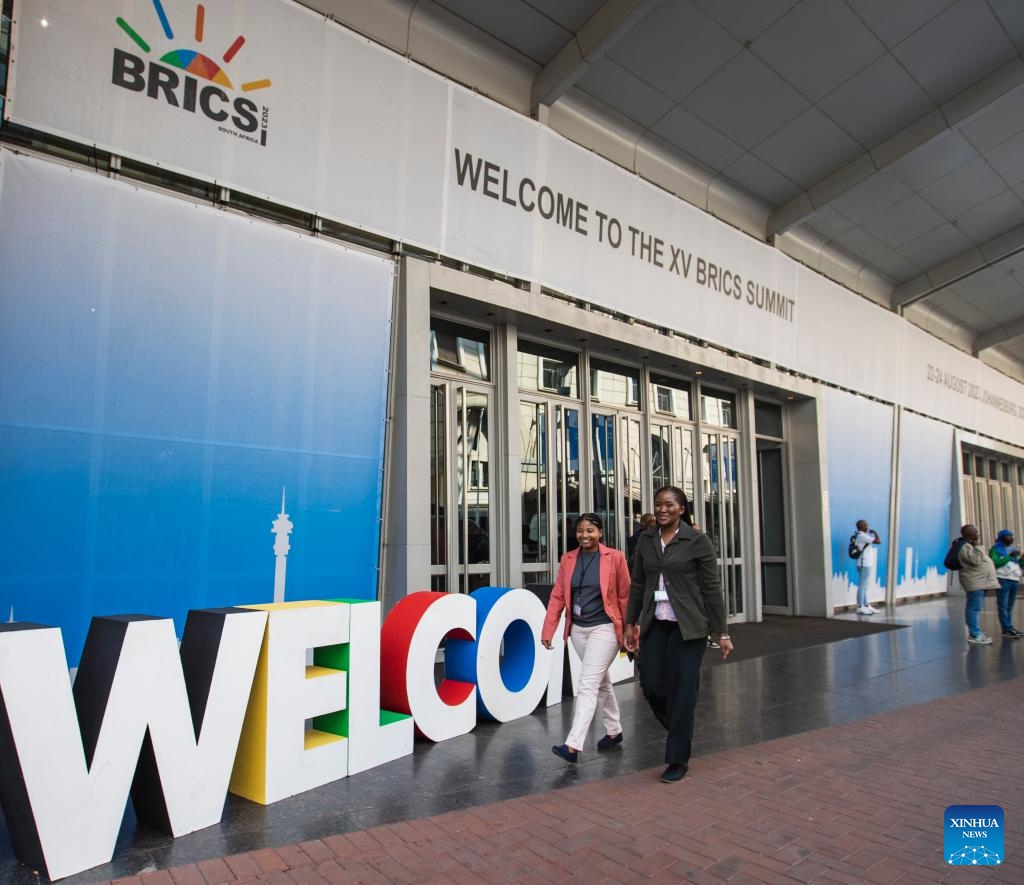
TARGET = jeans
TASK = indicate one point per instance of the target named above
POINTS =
(972, 614)
(1006, 596)
(865, 578)
(597, 648)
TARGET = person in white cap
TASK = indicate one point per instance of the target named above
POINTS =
(866, 539)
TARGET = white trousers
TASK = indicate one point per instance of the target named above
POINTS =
(597, 648)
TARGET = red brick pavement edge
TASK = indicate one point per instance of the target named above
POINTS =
(854, 803)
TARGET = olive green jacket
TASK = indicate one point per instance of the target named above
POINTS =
(692, 579)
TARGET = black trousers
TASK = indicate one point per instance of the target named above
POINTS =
(670, 680)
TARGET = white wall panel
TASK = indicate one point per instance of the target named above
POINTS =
(359, 134)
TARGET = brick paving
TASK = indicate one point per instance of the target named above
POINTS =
(855, 803)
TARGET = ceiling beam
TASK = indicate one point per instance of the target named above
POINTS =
(602, 31)
(998, 335)
(960, 109)
(965, 265)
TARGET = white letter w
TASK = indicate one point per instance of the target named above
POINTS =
(141, 719)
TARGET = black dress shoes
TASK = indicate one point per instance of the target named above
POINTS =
(673, 774)
(565, 753)
(607, 742)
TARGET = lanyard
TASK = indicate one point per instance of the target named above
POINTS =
(584, 567)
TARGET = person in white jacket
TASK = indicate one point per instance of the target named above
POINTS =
(977, 574)
(866, 540)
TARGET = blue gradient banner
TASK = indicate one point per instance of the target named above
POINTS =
(859, 445)
(174, 382)
(926, 494)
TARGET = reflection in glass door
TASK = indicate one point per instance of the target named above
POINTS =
(672, 458)
(550, 485)
(438, 486)
(535, 487)
(603, 486)
(722, 513)
(617, 474)
(567, 477)
(603, 447)
(460, 505)
(472, 487)
(632, 481)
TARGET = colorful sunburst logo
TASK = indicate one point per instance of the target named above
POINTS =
(192, 61)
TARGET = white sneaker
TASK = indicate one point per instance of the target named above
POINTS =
(980, 639)
(871, 610)
(865, 610)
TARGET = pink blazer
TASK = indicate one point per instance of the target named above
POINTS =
(614, 575)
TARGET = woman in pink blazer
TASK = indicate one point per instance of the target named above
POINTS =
(592, 587)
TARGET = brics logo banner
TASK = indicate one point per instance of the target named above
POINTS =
(190, 80)
(974, 835)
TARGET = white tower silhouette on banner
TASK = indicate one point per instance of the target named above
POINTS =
(282, 528)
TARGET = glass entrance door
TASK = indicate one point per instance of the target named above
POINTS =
(549, 481)
(604, 483)
(616, 474)
(672, 458)
(460, 488)
(722, 513)
(771, 499)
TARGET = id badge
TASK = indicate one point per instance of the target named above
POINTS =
(577, 610)
(661, 595)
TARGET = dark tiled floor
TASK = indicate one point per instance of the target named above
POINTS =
(742, 703)
(855, 803)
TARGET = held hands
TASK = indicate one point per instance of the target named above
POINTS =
(546, 643)
(630, 639)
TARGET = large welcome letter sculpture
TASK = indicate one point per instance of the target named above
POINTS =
(70, 757)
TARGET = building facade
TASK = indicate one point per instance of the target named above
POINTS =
(318, 283)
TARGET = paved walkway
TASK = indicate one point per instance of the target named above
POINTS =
(857, 802)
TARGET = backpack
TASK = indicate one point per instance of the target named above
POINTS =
(853, 550)
(952, 560)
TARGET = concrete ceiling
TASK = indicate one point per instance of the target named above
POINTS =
(879, 141)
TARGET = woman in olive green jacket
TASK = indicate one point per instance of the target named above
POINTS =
(675, 603)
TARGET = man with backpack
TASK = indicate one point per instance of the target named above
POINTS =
(862, 548)
(977, 574)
